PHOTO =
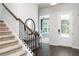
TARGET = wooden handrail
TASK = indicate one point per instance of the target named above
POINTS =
(18, 19)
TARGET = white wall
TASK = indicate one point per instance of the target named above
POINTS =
(22, 11)
(75, 33)
(28, 10)
(9, 18)
(0, 11)
(54, 13)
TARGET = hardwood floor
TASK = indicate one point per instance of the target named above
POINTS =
(50, 50)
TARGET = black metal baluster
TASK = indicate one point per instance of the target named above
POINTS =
(34, 42)
(31, 43)
(38, 41)
(29, 39)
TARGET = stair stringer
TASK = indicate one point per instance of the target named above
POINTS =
(24, 46)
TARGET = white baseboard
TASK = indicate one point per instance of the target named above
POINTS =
(54, 44)
(73, 47)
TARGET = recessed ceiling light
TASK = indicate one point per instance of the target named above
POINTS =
(53, 3)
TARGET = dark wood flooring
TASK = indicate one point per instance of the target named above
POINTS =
(50, 50)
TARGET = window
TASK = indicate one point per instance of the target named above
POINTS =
(65, 25)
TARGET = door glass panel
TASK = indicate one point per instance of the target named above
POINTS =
(65, 25)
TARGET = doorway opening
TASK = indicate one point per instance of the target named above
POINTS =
(44, 28)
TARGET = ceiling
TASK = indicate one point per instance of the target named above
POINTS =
(46, 5)
(43, 5)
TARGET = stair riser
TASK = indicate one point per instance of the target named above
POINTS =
(4, 29)
(2, 24)
(1, 21)
(8, 44)
(5, 33)
(6, 38)
(10, 52)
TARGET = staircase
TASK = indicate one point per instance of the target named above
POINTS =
(9, 44)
